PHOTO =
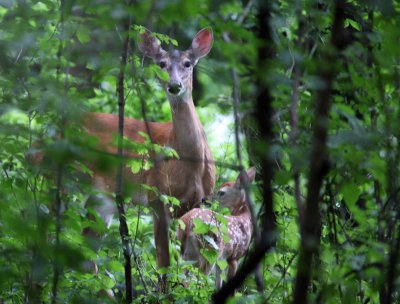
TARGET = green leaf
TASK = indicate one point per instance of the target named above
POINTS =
(164, 199)
(221, 218)
(174, 201)
(210, 255)
(115, 266)
(181, 224)
(174, 42)
(200, 227)
(169, 152)
(282, 177)
(135, 165)
(106, 281)
(163, 75)
(83, 34)
(169, 200)
(352, 23)
(350, 193)
(222, 264)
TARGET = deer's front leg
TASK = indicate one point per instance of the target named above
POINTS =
(105, 207)
(161, 238)
(218, 281)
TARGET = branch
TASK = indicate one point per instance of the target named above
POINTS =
(161, 224)
(283, 275)
(310, 235)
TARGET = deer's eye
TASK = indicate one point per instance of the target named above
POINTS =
(221, 193)
(187, 64)
(162, 64)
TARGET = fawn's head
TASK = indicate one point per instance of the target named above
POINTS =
(232, 195)
(178, 64)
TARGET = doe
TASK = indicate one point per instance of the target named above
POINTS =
(189, 178)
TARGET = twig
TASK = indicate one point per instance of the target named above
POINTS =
(282, 276)
(134, 253)
(135, 257)
(245, 12)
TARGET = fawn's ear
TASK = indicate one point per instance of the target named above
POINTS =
(149, 45)
(251, 174)
(202, 42)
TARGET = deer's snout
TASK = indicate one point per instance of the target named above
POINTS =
(174, 88)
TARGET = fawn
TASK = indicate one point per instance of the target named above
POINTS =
(231, 195)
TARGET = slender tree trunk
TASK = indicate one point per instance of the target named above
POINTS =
(263, 116)
(294, 116)
(60, 167)
(310, 236)
(123, 227)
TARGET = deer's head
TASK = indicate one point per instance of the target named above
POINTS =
(178, 64)
(232, 195)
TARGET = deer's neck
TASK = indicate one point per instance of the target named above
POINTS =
(188, 137)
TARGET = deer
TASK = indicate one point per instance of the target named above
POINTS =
(189, 178)
(231, 195)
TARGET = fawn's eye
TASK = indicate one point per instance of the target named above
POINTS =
(221, 193)
(187, 64)
(162, 64)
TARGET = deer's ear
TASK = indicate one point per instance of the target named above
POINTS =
(202, 42)
(149, 45)
(251, 174)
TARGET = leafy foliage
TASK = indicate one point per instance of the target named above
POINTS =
(59, 60)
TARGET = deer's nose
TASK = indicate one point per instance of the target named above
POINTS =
(174, 88)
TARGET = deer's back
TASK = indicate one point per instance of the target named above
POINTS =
(105, 127)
